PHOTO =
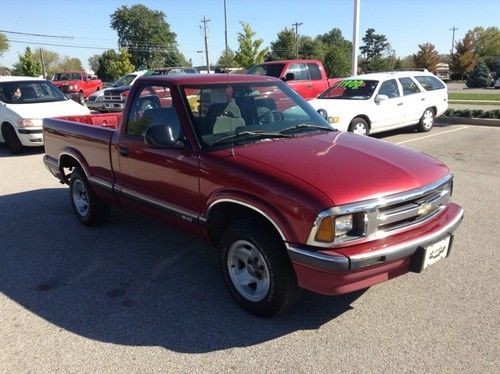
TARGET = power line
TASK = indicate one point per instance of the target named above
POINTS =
(40, 35)
(297, 24)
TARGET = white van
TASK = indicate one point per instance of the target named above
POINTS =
(375, 102)
(24, 102)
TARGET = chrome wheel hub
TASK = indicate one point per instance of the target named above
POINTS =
(80, 198)
(248, 271)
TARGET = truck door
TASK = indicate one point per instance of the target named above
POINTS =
(300, 81)
(156, 180)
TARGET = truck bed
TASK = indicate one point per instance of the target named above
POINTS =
(86, 138)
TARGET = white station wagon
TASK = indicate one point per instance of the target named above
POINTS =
(376, 102)
(24, 102)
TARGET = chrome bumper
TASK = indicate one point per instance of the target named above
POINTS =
(341, 263)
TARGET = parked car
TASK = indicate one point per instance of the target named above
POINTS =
(307, 77)
(78, 85)
(24, 102)
(105, 103)
(250, 166)
(375, 102)
(497, 83)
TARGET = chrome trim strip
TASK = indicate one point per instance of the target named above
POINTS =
(318, 260)
(101, 183)
(187, 216)
(227, 200)
(370, 207)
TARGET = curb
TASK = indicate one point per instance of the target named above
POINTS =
(469, 121)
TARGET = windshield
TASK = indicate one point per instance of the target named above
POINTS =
(271, 70)
(29, 92)
(126, 80)
(351, 89)
(67, 77)
(233, 114)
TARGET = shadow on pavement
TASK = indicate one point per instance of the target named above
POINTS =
(131, 281)
(27, 151)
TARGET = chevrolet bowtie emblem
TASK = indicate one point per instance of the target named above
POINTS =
(424, 208)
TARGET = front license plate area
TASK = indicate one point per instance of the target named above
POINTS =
(431, 254)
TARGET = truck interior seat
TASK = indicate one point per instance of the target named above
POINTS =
(224, 117)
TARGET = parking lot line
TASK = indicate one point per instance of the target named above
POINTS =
(430, 136)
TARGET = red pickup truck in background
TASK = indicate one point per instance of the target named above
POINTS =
(307, 77)
(245, 163)
(77, 84)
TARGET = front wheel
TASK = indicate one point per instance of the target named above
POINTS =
(359, 126)
(426, 121)
(88, 208)
(257, 271)
(11, 139)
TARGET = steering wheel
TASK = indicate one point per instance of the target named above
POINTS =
(272, 115)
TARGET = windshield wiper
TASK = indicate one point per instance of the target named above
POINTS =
(260, 134)
(305, 126)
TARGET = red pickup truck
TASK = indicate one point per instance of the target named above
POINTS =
(307, 77)
(247, 164)
(77, 84)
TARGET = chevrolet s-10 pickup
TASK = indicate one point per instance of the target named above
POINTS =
(247, 164)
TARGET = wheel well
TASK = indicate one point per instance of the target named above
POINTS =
(222, 215)
(434, 109)
(69, 162)
(4, 125)
(363, 116)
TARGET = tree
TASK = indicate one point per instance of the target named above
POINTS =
(28, 65)
(113, 65)
(4, 44)
(464, 59)
(480, 76)
(337, 62)
(283, 48)
(94, 62)
(249, 52)
(146, 35)
(375, 50)
(51, 60)
(70, 63)
(427, 57)
(486, 41)
(226, 59)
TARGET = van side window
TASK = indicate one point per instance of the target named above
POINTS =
(409, 86)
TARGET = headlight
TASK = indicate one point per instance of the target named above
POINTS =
(72, 88)
(26, 122)
(333, 119)
(340, 228)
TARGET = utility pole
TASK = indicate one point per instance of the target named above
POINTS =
(205, 20)
(355, 41)
(44, 74)
(453, 39)
(297, 24)
(225, 24)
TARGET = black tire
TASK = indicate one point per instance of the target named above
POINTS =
(88, 208)
(11, 140)
(426, 121)
(267, 263)
(359, 126)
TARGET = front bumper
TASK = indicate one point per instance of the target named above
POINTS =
(31, 136)
(113, 106)
(359, 266)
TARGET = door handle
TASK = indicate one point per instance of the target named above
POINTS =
(309, 86)
(123, 151)
(399, 104)
(422, 99)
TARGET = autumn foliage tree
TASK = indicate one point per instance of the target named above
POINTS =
(427, 57)
(464, 59)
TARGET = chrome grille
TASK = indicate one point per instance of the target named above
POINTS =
(112, 96)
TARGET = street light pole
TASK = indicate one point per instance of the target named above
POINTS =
(453, 38)
(355, 32)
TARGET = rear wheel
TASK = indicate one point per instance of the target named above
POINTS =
(88, 208)
(257, 271)
(359, 126)
(426, 121)
(11, 139)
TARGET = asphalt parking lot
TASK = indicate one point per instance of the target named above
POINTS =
(134, 296)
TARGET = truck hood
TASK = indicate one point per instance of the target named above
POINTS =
(118, 90)
(338, 106)
(47, 110)
(347, 167)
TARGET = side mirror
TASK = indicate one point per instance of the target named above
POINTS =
(162, 136)
(289, 77)
(380, 98)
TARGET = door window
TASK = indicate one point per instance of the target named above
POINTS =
(152, 107)
(409, 86)
(299, 71)
(314, 72)
(389, 88)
